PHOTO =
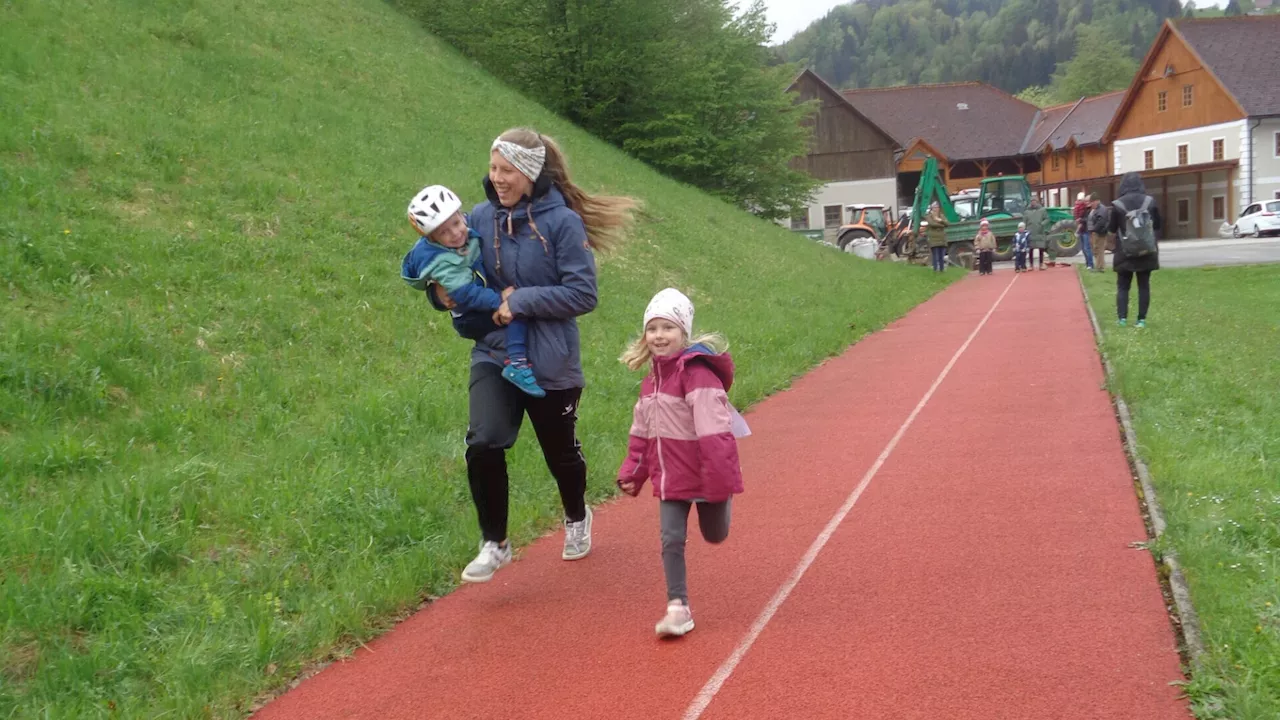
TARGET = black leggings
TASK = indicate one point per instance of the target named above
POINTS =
(497, 409)
(1124, 279)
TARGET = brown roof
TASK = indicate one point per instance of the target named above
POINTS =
(1084, 120)
(1047, 121)
(995, 124)
(1244, 53)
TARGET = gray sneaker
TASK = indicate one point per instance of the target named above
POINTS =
(492, 556)
(577, 538)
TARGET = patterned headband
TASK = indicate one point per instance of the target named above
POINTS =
(528, 161)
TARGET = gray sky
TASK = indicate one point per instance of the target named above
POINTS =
(792, 16)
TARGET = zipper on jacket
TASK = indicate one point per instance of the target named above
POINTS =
(662, 466)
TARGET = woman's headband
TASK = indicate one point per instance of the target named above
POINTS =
(528, 161)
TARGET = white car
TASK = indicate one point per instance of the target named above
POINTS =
(1259, 218)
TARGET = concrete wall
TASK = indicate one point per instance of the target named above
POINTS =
(1265, 161)
(1199, 221)
(879, 190)
(1129, 154)
(1254, 148)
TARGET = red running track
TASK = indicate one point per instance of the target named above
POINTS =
(984, 571)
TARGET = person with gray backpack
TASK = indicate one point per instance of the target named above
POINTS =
(1135, 222)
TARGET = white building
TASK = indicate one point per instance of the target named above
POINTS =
(1201, 121)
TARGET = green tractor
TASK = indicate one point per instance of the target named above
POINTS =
(1001, 201)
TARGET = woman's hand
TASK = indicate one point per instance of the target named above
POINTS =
(442, 295)
(628, 487)
(503, 316)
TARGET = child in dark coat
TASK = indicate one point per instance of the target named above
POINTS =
(1021, 246)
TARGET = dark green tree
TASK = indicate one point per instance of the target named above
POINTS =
(1038, 95)
(685, 85)
(722, 120)
(1101, 64)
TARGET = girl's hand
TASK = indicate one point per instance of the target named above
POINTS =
(503, 316)
(628, 487)
(507, 293)
(443, 296)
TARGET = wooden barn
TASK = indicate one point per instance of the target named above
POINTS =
(852, 155)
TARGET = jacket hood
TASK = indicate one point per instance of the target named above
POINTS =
(1131, 184)
(720, 363)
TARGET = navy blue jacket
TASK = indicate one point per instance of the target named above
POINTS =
(553, 271)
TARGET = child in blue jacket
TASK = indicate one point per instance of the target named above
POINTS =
(1021, 245)
(448, 254)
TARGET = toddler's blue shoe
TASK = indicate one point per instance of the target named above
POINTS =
(521, 375)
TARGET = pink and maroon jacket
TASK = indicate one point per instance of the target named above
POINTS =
(681, 437)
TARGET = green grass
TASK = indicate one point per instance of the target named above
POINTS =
(1203, 382)
(230, 437)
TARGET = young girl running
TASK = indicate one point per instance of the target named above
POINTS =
(682, 438)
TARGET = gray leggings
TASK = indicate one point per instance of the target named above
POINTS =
(713, 520)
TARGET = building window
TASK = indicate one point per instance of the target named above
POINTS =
(1277, 153)
(801, 221)
(831, 216)
(1184, 211)
(1182, 154)
(1162, 101)
(1219, 149)
(1187, 95)
(1079, 157)
(1219, 208)
(1056, 163)
(1148, 159)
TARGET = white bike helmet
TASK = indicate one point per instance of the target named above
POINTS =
(430, 208)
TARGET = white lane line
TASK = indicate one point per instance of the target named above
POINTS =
(717, 681)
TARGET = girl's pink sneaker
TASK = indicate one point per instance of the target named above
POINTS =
(678, 621)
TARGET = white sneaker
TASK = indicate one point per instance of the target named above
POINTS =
(492, 556)
(678, 621)
(577, 538)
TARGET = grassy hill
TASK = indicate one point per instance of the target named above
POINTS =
(230, 437)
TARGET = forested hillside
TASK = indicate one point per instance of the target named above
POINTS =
(1012, 44)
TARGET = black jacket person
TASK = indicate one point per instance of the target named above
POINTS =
(1132, 194)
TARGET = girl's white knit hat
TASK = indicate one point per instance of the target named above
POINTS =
(671, 304)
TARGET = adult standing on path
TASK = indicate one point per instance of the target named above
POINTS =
(1099, 231)
(1084, 203)
(1037, 220)
(537, 232)
(937, 231)
(1133, 197)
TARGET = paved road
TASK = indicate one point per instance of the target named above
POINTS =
(1202, 253)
